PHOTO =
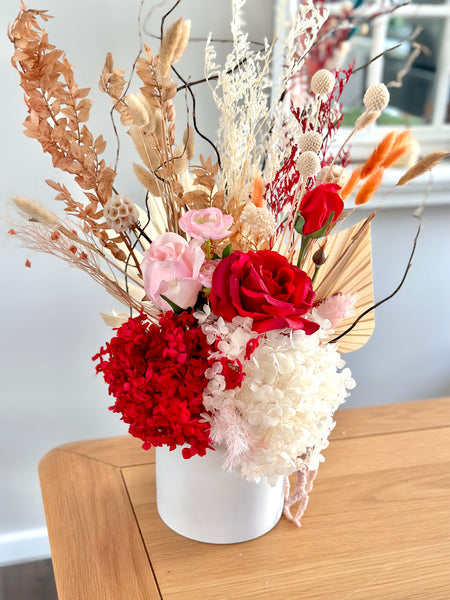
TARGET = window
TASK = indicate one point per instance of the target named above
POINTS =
(422, 102)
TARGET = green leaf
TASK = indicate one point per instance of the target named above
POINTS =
(215, 256)
(226, 251)
(299, 224)
(176, 309)
(322, 231)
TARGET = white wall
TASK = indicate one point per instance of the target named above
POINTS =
(49, 323)
(408, 356)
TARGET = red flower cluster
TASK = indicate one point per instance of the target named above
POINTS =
(157, 376)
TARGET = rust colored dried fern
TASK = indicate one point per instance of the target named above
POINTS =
(57, 112)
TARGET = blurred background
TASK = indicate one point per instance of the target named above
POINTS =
(49, 317)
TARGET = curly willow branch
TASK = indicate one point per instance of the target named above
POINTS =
(397, 289)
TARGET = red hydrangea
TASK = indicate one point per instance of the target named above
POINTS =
(157, 376)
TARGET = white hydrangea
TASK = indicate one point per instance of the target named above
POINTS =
(284, 408)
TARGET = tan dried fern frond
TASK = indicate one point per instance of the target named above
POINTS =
(57, 108)
(57, 112)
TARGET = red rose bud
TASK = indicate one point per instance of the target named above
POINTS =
(265, 287)
(320, 208)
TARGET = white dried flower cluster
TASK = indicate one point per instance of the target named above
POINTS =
(311, 141)
(260, 220)
(120, 213)
(281, 416)
(241, 94)
(308, 164)
(336, 174)
(322, 82)
(376, 97)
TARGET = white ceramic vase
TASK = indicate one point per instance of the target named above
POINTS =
(199, 501)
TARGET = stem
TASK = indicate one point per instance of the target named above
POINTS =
(208, 249)
(303, 248)
(316, 272)
(142, 233)
(194, 116)
(352, 132)
(291, 222)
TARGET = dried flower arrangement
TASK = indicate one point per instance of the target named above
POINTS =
(242, 285)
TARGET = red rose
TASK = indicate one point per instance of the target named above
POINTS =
(318, 204)
(265, 287)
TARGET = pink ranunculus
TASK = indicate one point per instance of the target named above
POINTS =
(171, 268)
(206, 272)
(206, 224)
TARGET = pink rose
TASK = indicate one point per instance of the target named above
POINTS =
(206, 272)
(171, 268)
(206, 224)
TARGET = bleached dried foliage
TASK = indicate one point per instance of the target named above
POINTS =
(241, 94)
(301, 35)
(83, 254)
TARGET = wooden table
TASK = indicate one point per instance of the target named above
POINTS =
(377, 525)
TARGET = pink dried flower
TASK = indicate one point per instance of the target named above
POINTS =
(335, 308)
(206, 224)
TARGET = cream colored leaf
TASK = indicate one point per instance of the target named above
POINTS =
(115, 319)
(348, 270)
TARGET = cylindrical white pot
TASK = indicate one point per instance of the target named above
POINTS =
(198, 500)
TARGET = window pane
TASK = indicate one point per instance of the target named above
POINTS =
(413, 102)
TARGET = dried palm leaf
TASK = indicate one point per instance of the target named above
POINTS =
(158, 217)
(348, 269)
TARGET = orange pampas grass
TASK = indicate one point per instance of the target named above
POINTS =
(257, 194)
(352, 182)
(369, 187)
(401, 146)
(378, 156)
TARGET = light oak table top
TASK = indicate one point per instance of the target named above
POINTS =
(377, 526)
